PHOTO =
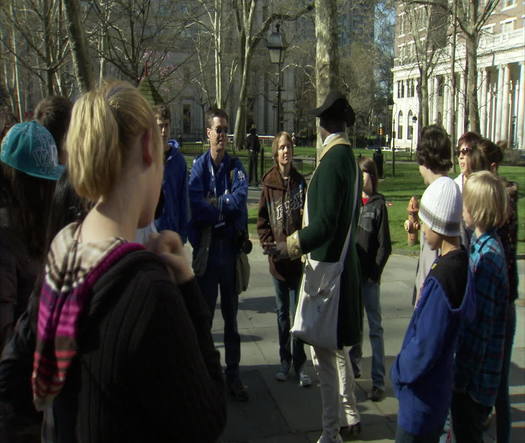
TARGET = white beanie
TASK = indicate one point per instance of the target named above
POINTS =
(441, 207)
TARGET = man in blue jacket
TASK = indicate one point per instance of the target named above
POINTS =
(173, 207)
(218, 190)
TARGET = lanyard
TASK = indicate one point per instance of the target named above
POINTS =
(214, 178)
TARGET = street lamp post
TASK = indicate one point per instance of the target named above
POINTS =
(276, 46)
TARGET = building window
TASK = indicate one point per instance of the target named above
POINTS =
(410, 127)
(402, 88)
(400, 125)
(509, 3)
(507, 26)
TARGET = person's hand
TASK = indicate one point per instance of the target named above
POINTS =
(278, 250)
(168, 245)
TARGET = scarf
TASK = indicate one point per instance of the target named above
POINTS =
(72, 269)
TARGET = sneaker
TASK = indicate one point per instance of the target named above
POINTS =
(237, 390)
(377, 394)
(282, 373)
(304, 380)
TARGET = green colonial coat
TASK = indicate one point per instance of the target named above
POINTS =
(330, 197)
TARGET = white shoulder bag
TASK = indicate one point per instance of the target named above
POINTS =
(316, 317)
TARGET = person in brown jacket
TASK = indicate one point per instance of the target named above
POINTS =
(280, 214)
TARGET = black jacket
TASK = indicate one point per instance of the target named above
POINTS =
(146, 369)
(373, 238)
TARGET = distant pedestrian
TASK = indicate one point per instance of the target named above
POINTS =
(374, 248)
(254, 146)
(379, 161)
(280, 214)
(480, 354)
(422, 374)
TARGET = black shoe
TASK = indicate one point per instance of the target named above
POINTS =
(237, 390)
(377, 394)
(350, 431)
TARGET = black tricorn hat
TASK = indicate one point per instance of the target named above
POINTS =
(336, 107)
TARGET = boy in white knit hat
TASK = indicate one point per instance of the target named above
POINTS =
(422, 374)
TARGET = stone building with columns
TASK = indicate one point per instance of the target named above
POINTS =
(501, 81)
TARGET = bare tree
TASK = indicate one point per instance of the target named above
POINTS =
(471, 16)
(136, 36)
(33, 33)
(427, 30)
(249, 37)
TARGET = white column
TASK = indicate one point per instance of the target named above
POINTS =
(450, 106)
(505, 111)
(435, 106)
(498, 108)
(461, 107)
(483, 102)
(521, 108)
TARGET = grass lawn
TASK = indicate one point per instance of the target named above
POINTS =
(397, 190)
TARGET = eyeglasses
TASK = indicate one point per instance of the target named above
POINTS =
(221, 129)
(463, 151)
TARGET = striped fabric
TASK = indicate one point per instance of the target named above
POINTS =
(72, 269)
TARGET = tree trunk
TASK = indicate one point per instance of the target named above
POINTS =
(326, 56)
(423, 117)
(239, 135)
(247, 16)
(472, 84)
(15, 66)
(217, 29)
(79, 49)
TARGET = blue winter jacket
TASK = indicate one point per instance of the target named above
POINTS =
(422, 374)
(175, 212)
(217, 198)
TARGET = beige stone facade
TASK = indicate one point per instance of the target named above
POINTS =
(501, 81)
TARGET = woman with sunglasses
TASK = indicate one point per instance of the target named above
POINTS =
(466, 144)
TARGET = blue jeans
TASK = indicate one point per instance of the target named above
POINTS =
(220, 273)
(291, 350)
(503, 418)
(370, 295)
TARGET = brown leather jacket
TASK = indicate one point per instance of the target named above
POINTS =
(280, 214)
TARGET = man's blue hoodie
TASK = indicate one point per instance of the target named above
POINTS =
(174, 211)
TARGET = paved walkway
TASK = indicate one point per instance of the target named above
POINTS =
(282, 412)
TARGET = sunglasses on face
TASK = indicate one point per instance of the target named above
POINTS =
(463, 151)
(221, 129)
